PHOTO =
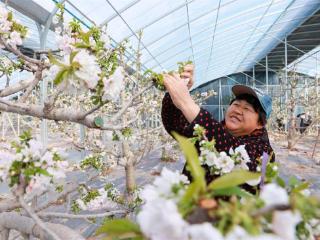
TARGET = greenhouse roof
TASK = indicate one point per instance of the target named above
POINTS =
(302, 44)
(221, 36)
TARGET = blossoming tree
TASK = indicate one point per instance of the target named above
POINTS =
(90, 86)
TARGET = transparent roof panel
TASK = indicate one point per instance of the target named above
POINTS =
(149, 13)
(97, 10)
(166, 41)
(48, 5)
(121, 4)
(118, 28)
(165, 26)
(203, 23)
(221, 36)
(197, 9)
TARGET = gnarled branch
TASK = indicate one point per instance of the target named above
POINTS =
(15, 88)
(13, 220)
(68, 114)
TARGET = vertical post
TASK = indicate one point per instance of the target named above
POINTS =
(82, 133)
(18, 124)
(305, 87)
(317, 82)
(43, 33)
(3, 124)
(286, 78)
(44, 123)
(253, 77)
(267, 75)
(43, 89)
(220, 97)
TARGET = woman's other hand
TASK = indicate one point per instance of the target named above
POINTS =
(188, 73)
(180, 95)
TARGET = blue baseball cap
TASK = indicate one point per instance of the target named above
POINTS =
(264, 99)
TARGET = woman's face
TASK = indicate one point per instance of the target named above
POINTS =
(241, 118)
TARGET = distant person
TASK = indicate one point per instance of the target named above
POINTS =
(304, 121)
(244, 122)
(280, 123)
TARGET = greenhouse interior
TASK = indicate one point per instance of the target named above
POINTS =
(160, 120)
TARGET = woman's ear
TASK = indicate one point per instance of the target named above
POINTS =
(260, 125)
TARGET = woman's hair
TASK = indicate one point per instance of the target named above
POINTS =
(254, 102)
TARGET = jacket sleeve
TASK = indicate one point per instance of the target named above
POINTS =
(173, 119)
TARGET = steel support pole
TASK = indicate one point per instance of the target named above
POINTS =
(286, 78)
(220, 98)
(43, 33)
(317, 82)
(267, 75)
(253, 77)
(43, 89)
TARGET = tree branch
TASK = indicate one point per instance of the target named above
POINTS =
(91, 111)
(119, 127)
(128, 104)
(49, 103)
(71, 187)
(68, 114)
(8, 205)
(15, 88)
(37, 220)
(4, 233)
(17, 52)
(36, 80)
(83, 216)
(13, 220)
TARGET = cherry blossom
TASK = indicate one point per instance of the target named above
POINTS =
(271, 190)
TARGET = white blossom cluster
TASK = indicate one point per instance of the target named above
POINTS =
(105, 199)
(220, 162)
(8, 34)
(159, 218)
(34, 155)
(89, 72)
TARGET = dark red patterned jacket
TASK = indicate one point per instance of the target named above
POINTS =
(256, 143)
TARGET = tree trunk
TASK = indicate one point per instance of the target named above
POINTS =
(291, 117)
(130, 177)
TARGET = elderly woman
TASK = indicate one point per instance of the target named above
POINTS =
(244, 122)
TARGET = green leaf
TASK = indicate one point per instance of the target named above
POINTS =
(118, 227)
(281, 182)
(193, 162)
(198, 185)
(43, 172)
(82, 45)
(86, 37)
(54, 61)
(61, 76)
(231, 191)
(233, 179)
(98, 121)
(293, 181)
(72, 55)
(301, 187)
(191, 195)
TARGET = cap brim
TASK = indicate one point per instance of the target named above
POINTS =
(241, 89)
